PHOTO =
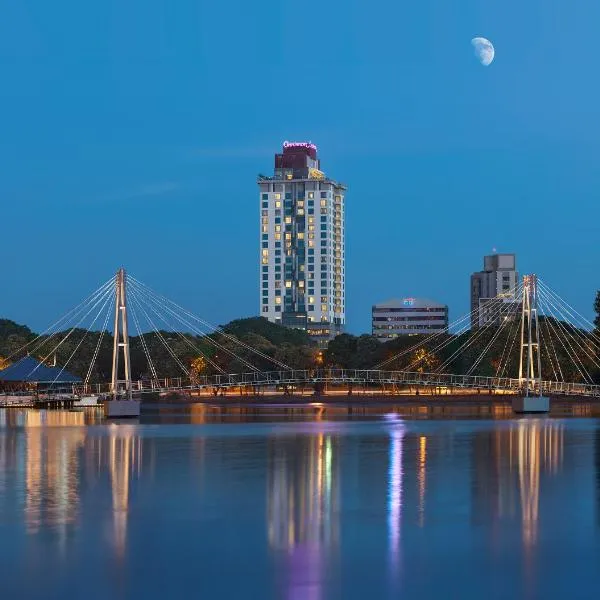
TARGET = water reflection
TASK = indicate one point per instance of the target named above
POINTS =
(302, 500)
(124, 458)
(49, 456)
(422, 477)
(509, 468)
(539, 449)
(288, 504)
(52, 443)
(395, 493)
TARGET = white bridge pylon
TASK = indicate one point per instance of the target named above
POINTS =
(121, 339)
(530, 360)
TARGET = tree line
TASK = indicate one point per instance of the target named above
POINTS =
(490, 352)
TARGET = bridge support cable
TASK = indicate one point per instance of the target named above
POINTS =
(98, 301)
(183, 338)
(458, 324)
(453, 339)
(491, 318)
(545, 342)
(582, 326)
(162, 300)
(587, 325)
(143, 340)
(154, 307)
(41, 349)
(553, 346)
(583, 336)
(499, 330)
(504, 324)
(171, 329)
(160, 337)
(429, 339)
(65, 321)
(554, 330)
(83, 337)
(97, 349)
(571, 333)
(470, 341)
(509, 344)
(558, 326)
(583, 339)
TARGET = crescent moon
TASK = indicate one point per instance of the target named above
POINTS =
(484, 50)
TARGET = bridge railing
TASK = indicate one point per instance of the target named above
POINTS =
(348, 378)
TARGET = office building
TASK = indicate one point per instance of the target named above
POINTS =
(302, 254)
(408, 316)
(493, 291)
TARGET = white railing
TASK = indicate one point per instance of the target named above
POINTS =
(313, 378)
(343, 377)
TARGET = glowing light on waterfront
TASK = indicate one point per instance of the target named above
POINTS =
(301, 511)
(51, 466)
(395, 476)
(328, 467)
(124, 453)
(540, 447)
(421, 477)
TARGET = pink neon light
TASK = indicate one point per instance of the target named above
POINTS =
(299, 145)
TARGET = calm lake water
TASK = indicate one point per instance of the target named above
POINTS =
(303, 504)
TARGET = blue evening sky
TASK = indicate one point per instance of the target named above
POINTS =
(133, 130)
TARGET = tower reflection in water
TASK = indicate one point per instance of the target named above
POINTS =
(538, 448)
(509, 468)
(60, 458)
(124, 459)
(302, 521)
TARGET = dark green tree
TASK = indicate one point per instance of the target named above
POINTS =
(341, 350)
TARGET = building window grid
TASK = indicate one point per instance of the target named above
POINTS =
(332, 251)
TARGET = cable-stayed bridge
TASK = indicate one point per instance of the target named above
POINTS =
(542, 347)
(347, 380)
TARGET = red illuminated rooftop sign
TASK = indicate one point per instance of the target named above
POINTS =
(308, 145)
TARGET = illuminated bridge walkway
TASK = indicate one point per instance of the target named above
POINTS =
(536, 327)
(345, 381)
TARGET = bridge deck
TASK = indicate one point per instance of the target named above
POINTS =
(352, 378)
(332, 381)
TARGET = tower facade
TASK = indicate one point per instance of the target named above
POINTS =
(494, 291)
(302, 244)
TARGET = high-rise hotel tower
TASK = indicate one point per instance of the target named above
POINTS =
(302, 255)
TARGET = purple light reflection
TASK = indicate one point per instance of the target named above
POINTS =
(395, 476)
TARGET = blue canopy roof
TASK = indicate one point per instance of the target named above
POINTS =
(31, 370)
